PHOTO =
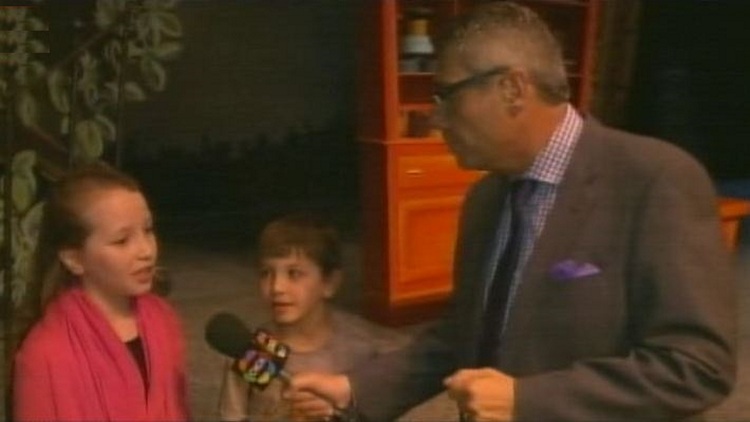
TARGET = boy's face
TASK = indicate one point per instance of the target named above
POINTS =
(295, 288)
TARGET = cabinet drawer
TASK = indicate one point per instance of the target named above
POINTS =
(423, 257)
(439, 170)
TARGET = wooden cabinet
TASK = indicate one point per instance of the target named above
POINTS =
(732, 211)
(411, 187)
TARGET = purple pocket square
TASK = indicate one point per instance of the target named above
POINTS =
(569, 270)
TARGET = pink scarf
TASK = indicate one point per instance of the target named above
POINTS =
(73, 367)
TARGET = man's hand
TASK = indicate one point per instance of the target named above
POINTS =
(308, 407)
(312, 395)
(482, 394)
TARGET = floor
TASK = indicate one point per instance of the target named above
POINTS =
(210, 281)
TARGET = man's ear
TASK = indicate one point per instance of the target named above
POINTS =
(514, 87)
(71, 260)
(333, 281)
(514, 91)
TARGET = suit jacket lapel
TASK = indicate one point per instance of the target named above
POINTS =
(476, 249)
(574, 202)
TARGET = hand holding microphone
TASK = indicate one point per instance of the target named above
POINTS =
(259, 358)
(334, 388)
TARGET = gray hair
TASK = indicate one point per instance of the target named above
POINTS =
(520, 37)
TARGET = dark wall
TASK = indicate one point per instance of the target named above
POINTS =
(691, 85)
(257, 119)
(251, 67)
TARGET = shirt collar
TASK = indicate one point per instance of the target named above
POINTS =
(550, 165)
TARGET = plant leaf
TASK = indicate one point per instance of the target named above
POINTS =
(89, 70)
(134, 49)
(26, 74)
(23, 179)
(18, 35)
(105, 14)
(65, 125)
(36, 46)
(90, 96)
(169, 24)
(134, 92)
(87, 138)
(21, 273)
(16, 14)
(30, 223)
(21, 75)
(36, 24)
(36, 69)
(112, 52)
(15, 241)
(142, 27)
(106, 126)
(24, 162)
(57, 85)
(27, 109)
(2, 218)
(159, 4)
(3, 87)
(22, 193)
(153, 73)
(167, 50)
(154, 26)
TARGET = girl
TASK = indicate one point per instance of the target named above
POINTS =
(103, 348)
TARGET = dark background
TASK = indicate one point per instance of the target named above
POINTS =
(692, 80)
(258, 115)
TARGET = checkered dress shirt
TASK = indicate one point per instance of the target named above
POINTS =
(548, 170)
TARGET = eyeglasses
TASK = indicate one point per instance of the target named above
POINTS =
(444, 92)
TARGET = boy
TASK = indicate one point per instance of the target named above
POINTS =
(299, 263)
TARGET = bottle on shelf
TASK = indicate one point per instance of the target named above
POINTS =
(415, 47)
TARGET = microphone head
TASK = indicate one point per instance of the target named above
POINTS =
(258, 356)
(228, 335)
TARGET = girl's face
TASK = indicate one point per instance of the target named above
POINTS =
(117, 259)
(296, 289)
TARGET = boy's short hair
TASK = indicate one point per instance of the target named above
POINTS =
(305, 233)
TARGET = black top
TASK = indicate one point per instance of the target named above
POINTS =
(136, 349)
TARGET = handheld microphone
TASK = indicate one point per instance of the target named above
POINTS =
(258, 357)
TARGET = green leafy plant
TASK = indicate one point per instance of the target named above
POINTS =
(20, 70)
(25, 214)
(124, 65)
(76, 102)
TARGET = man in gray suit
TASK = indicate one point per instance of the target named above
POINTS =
(616, 301)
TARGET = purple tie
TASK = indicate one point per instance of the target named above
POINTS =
(497, 298)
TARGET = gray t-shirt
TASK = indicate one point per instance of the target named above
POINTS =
(354, 341)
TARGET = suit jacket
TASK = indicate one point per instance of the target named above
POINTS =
(649, 336)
